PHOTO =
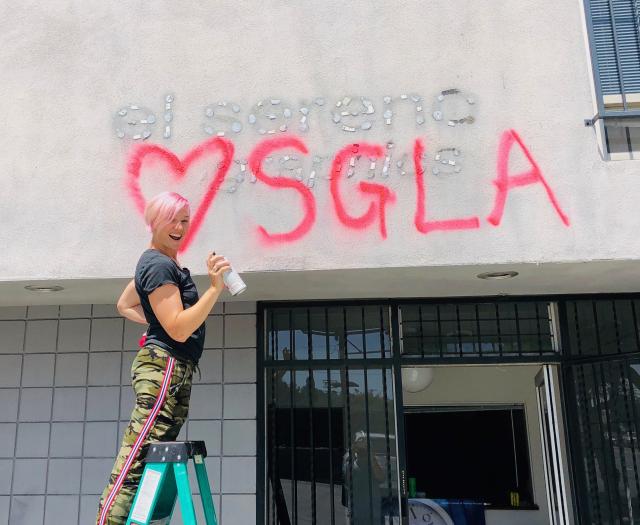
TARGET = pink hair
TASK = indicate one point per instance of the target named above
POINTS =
(163, 208)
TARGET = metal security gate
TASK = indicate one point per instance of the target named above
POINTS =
(330, 402)
(553, 452)
(602, 380)
(331, 424)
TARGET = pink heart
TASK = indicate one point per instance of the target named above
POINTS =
(179, 169)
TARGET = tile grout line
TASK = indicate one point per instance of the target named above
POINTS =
(84, 423)
(222, 425)
(119, 418)
(15, 442)
(53, 391)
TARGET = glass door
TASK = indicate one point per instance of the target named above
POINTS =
(553, 450)
(331, 443)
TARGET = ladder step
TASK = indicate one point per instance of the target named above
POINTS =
(175, 451)
(166, 479)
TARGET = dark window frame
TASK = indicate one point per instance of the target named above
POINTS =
(522, 449)
(614, 46)
(563, 358)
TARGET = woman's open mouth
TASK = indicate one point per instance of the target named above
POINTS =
(175, 237)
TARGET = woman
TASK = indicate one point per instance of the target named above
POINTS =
(164, 296)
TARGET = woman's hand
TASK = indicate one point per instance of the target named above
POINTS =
(217, 265)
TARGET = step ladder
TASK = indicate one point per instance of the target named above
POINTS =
(165, 479)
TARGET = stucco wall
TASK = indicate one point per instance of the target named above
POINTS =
(69, 67)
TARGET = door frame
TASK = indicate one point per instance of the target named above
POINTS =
(554, 444)
(562, 360)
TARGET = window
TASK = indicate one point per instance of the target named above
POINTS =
(470, 453)
(330, 437)
(478, 329)
(604, 407)
(603, 328)
(615, 49)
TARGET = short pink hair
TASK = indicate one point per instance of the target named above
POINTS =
(163, 208)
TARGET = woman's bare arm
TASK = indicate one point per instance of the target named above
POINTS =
(167, 303)
(176, 321)
(129, 304)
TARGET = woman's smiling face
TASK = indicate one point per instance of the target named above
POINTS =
(172, 235)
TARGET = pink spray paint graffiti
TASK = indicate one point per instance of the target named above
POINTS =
(423, 225)
(383, 194)
(505, 182)
(178, 169)
(256, 158)
(376, 211)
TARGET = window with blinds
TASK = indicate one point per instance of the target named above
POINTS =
(615, 42)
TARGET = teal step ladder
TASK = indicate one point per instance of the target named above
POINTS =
(165, 479)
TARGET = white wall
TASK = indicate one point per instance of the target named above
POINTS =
(65, 399)
(70, 66)
(468, 385)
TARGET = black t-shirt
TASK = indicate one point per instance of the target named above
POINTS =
(152, 271)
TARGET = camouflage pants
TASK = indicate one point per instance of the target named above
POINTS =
(162, 385)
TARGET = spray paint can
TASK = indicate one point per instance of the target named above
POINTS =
(234, 282)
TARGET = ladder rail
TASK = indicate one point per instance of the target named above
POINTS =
(165, 480)
(205, 491)
(184, 494)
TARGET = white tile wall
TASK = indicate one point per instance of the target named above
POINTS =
(240, 365)
(106, 334)
(33, 440)
(240, 331)
(27, 476)
(12, 337)
(88, 508)
(35, 404)
(41, 336)
(74, 335)
(240, 401)
(214, 333)
(69, 404)
(101, 439)
(27, 510)
(4, 509)
(103, 403)
(210, 428)
(43, 312)
(127, 361)
(75, 310)
(132, 334)
(241, 307)
(64, 476)
(37, 369)
(6, 468)
(210, 367)
(239, 438)
(239, 509)
(13, 312)
(7, 439)
(66, 440)
(57, 506)
(9, 404)
(65, 399)
(238, 475)
(71, 369)
(206, 402)
(105, 368)
(10, 368)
